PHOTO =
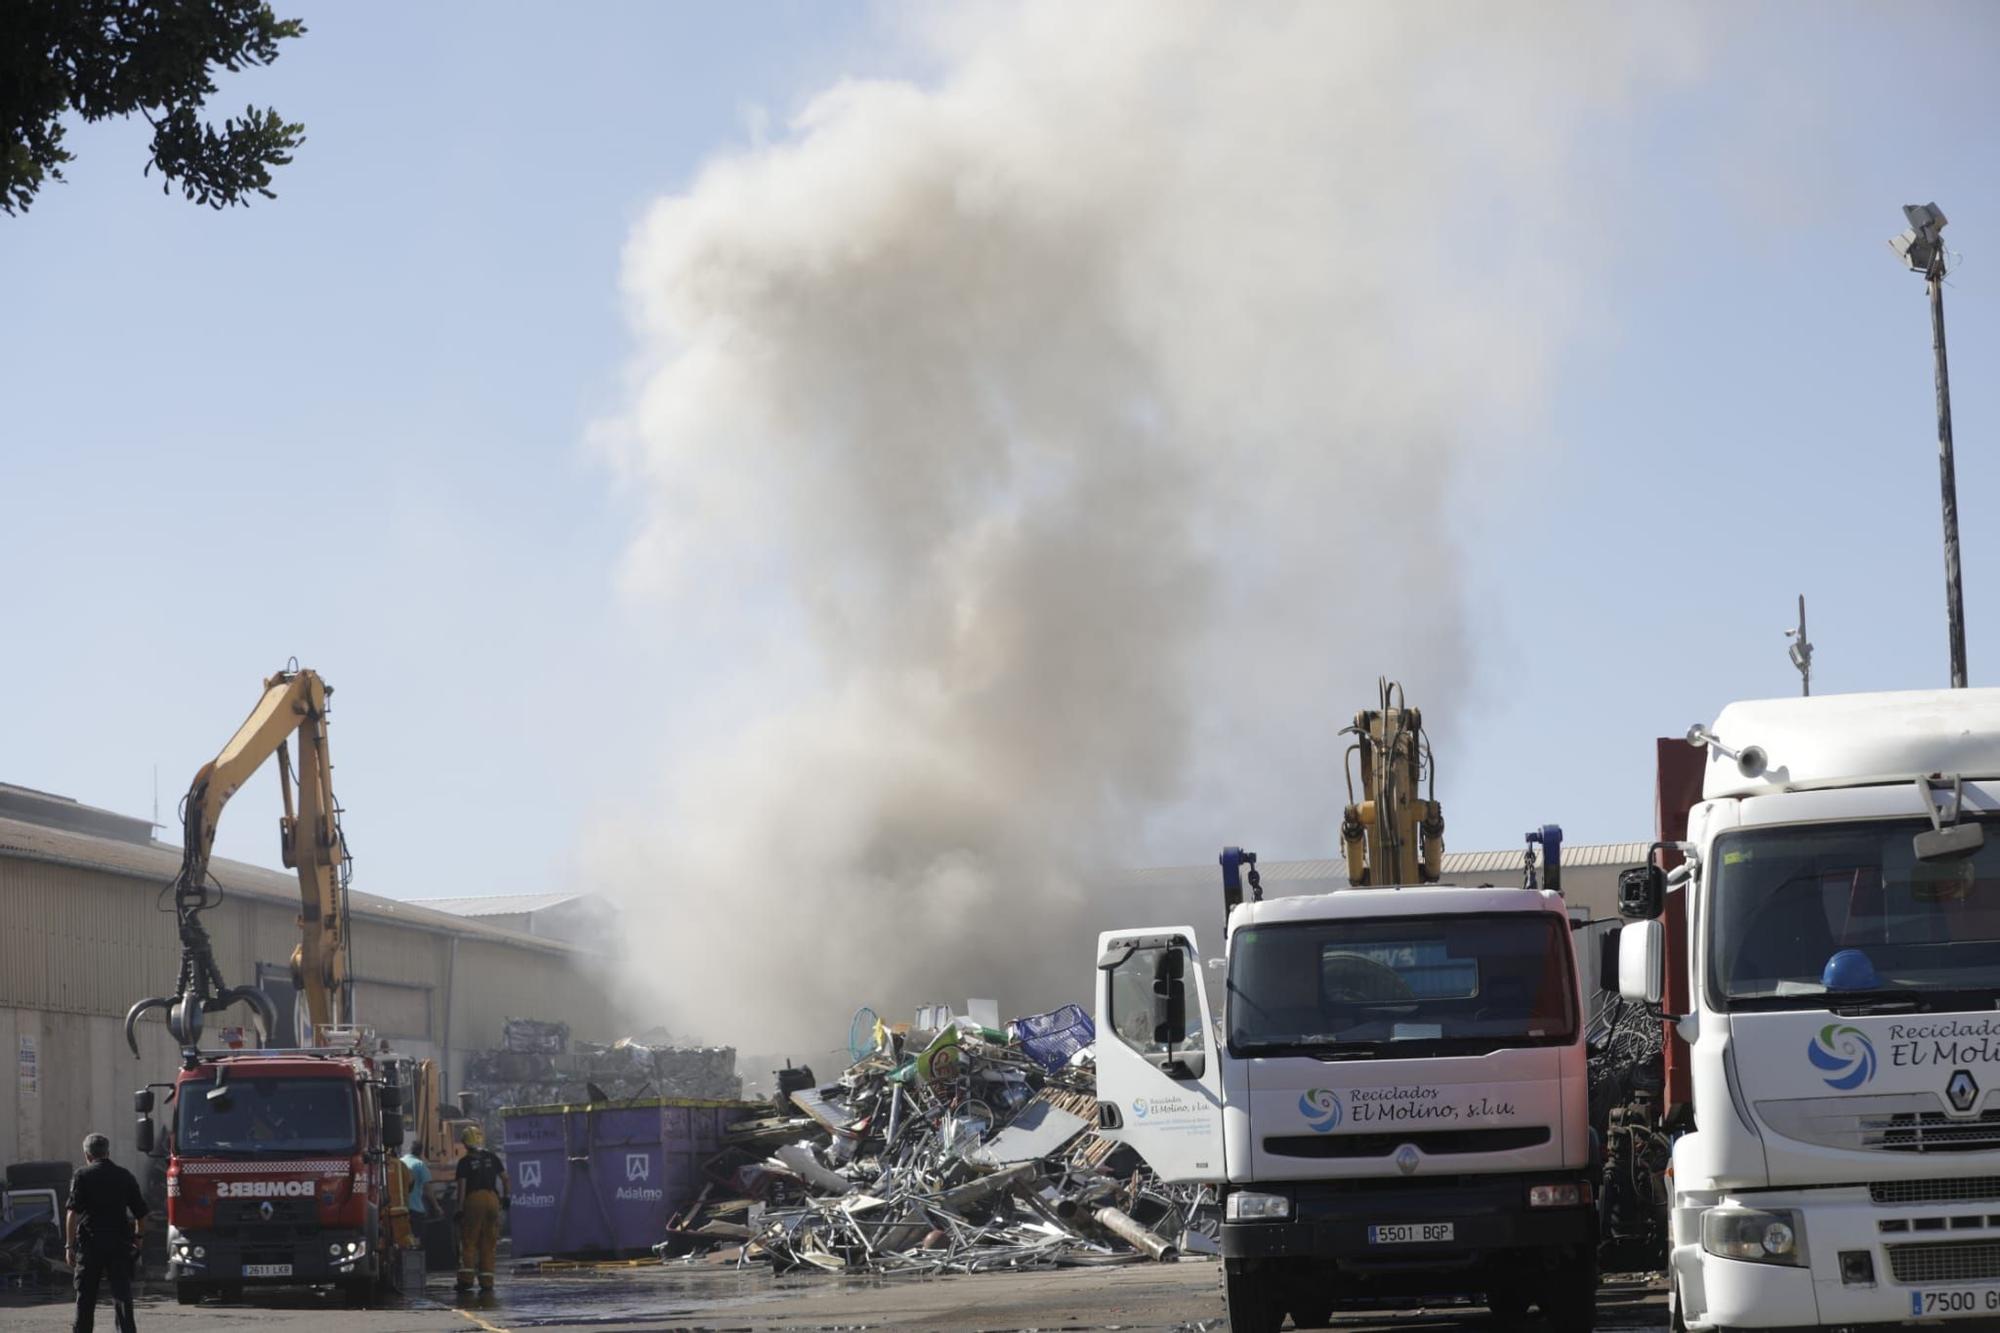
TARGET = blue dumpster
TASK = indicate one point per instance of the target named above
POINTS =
(604, 1179)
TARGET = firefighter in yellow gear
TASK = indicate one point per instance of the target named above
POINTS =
(482, 1197)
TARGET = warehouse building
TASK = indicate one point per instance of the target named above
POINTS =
(586, 920)
(86, 930)
(1589, 878)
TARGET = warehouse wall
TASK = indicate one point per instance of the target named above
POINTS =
(79, 944)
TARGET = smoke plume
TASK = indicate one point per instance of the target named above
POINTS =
(1047, 457)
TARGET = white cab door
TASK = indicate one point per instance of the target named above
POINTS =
(1159, 1072)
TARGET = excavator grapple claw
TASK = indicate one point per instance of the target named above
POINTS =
(263, 1014)
(138, 1011)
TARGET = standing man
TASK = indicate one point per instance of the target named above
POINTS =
(422, 1209)
(482, 1197)
(102, 1228)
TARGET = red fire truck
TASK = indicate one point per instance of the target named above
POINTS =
(280, 1169)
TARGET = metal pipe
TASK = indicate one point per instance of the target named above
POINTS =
(1947, 477)
(1122, 1225)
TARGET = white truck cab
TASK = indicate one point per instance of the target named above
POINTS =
(1843, 971)
(1388, 1085)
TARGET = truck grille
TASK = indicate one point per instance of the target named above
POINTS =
(1891, 1122)
(1931, 1131)
(1959, 1189)
(1946, 1261)
(1439, 1142)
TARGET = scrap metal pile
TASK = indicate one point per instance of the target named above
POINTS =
(961, 1149)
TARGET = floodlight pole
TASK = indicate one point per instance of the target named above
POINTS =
(1947, 473)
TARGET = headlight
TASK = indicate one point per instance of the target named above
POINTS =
(1250, 1206)
(333, 1248)
(1765, 1236)
(201, 1252)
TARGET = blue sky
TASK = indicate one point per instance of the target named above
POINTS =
(348, 426)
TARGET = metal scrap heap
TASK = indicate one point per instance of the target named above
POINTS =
(961, 1149)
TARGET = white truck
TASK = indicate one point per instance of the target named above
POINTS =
(1392, 1099)
(1842, 954)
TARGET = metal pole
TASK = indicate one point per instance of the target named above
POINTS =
(1947, 476)
(1801, 649)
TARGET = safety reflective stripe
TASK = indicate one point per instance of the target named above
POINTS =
(334, 1167)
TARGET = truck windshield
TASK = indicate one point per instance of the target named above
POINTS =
(1395, 986)
(267, 1115)
(1799, 915)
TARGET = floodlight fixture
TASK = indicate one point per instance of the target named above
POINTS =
(1922, 246)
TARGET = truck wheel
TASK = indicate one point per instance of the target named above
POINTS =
(188, 1293)
(1251, 1298)
(1569, 1302)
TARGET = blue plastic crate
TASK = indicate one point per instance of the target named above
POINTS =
(1051, 1039)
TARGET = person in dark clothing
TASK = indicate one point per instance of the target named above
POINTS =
(482, 1197)
(101, 1233)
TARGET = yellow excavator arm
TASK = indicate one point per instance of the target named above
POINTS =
(1393, 834)
(294, 701)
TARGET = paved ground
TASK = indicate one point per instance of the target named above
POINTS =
(1158, 1298)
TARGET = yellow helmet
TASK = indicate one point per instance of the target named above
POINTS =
(472, 1136)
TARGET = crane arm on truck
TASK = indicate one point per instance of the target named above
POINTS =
(1394, 834)
(294, 700)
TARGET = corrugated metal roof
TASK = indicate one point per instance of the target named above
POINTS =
(1574, 856)
(1334, 871)
(158, 863)
(498, 904)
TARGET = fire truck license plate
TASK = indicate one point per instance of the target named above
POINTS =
(1955, 1302)
(267, 1270)
(1409, 1233)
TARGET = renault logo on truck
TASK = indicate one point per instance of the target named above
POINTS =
(1845, 1052)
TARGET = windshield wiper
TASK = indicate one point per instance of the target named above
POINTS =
(1313, 1045)
(1877, 1000)
(1892, 999)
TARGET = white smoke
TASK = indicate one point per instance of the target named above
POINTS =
(1049, 457)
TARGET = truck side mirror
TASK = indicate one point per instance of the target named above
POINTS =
(142, 1101)
(1170, 998)
(144, 1135)
(392, 1097)
(1642, 892)
(1642, 961)
(392, 1130)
